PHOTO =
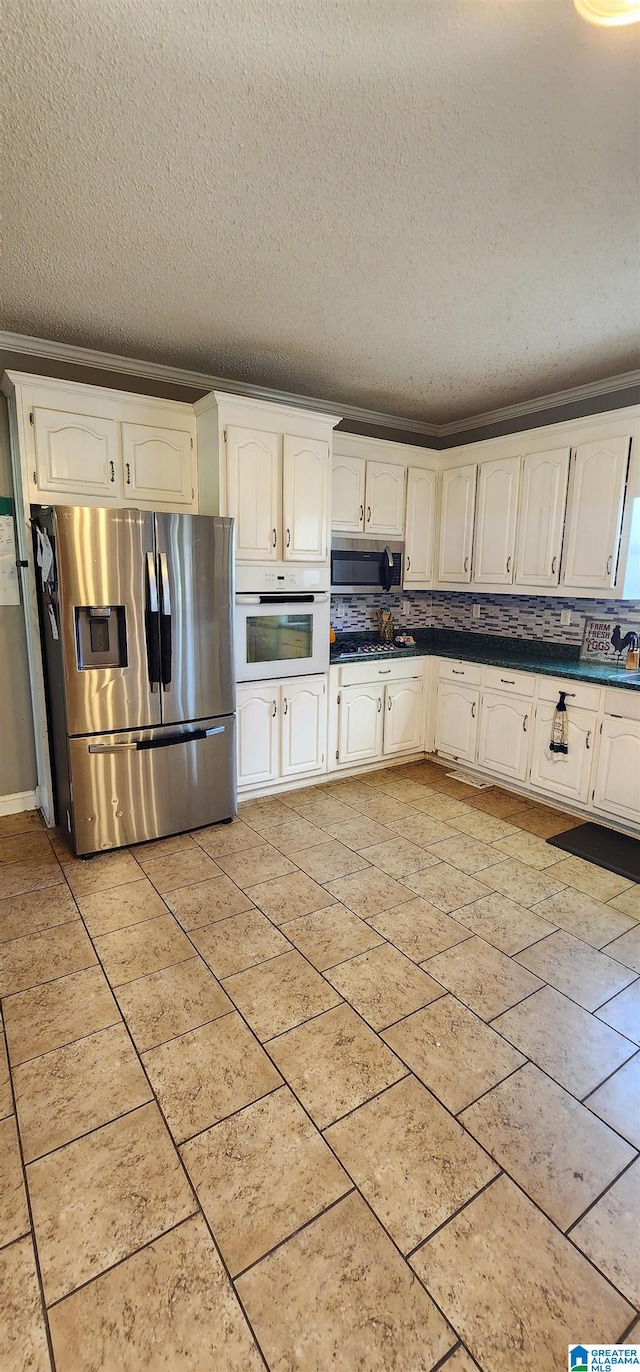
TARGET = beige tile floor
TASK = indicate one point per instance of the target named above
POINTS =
(351, 1083)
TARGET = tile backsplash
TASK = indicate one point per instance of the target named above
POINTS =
(522, 616)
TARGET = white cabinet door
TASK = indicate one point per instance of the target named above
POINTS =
(403, 717)
(457, 720)
(496, 510)
(360, 723)
(303, 724)
(305, 492)
(566, 775)
(503, 736)
(458, 494)
(594, 519)
(157, 464)
(384, 501)
(541, 519)
(77, 454)
(258, 725)
(617, 788)
(347, 494)
(419, 527)
(253, 493)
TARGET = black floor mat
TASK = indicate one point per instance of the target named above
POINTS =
(606, 848)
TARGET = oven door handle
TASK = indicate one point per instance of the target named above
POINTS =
(285, 598)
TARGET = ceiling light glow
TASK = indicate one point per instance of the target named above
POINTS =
(609, 13)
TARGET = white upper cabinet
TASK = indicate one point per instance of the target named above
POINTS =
(458, 493)
(305, 494)
(495, 531)
(594, 518)
(419, 527)
(157, 464)
(347, 494)
(76, 454)
(541, 519)
(384, 499)
(253, 492)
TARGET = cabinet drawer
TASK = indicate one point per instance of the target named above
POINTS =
(468, 672)
(511, 683)
(580, 695)
(400, 669)
(626, 704)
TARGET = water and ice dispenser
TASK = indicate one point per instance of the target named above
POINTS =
(101, 636)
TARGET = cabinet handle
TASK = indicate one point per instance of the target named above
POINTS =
(368, 514)
(507, 681)
(112, 471)
(473, 709)
(525, 724)
(384, 671)
(379, 704)
(275, 709)
(128, 474)
(609, 563)
(288, 538)
(508, 565)
(554, 561)
(455, 671)
(285, 706)
(390, 702)
(466, 564)
(408, 563)
(361, 513)
(275, 536)
(586, 742)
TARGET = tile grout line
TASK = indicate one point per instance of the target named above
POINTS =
(27, 1195)
(350, 1191)
(465, 1205)
(588, 1208)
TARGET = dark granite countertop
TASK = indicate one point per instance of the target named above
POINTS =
(492, 650)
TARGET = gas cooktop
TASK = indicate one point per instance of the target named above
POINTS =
(367, 645)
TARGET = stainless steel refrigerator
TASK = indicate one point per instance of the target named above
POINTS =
(137, 628)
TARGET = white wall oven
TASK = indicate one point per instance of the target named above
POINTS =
(281, 634)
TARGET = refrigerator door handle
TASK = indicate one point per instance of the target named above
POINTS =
(152, 625)
(112, 748)
(165, 623)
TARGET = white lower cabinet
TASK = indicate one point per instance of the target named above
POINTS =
(503, 736)
(563, 775)
(617, 785)
(457, 720)
(303, 726)
(282, 730)
(360, 723)
(258, 730)
(403, 717)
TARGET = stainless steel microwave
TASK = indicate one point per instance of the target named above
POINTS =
(366, 566)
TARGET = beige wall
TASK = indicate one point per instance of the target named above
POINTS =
(17, 756)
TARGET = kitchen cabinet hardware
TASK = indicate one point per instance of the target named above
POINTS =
(508, 565)
(368, 514)
(128, 471)
(507, 681)
(285, 706)
(274, 535)
(586, 742)
(288, 538)
(525, 724)
(554, 563)
(379, 704)
(609, 563)
(473, 709)
(112, 471)
(275, 709)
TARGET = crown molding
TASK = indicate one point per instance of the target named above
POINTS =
(179, 376)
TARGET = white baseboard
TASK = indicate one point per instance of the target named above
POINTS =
(20, 800)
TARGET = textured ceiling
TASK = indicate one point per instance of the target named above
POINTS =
(425, 207)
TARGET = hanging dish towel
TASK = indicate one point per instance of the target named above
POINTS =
(560, 727)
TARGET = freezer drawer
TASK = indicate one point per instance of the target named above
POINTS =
(148, 783)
